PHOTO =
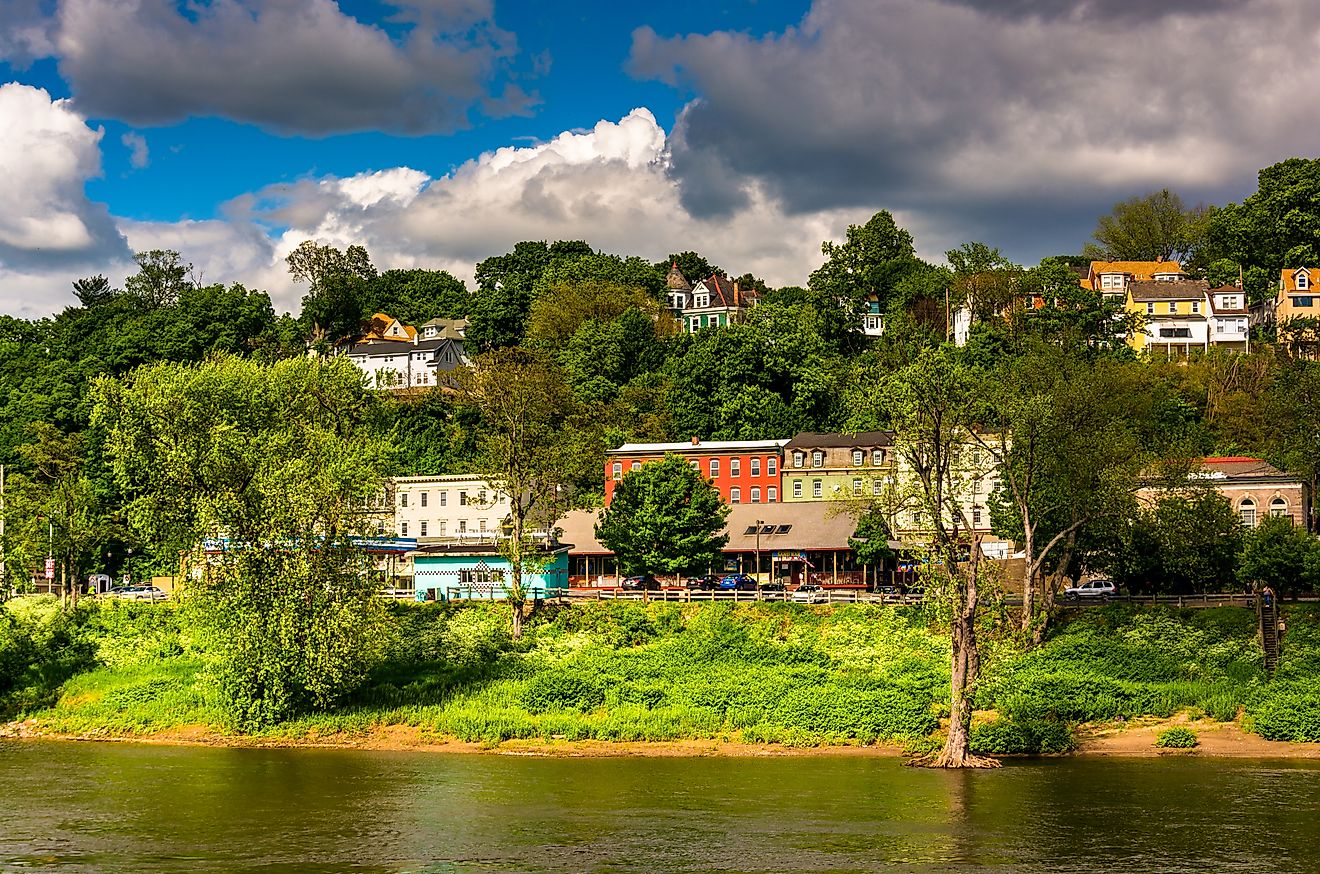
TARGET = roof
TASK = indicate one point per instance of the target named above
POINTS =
(1242, 467)
(725, 292)
(1178, 289)
(862, 439)
(452, 329)
(675, 280)
(1135, 269)
(378, 324)
(802, 525)
(698, 446)
(1229, 311)
(1288, 279)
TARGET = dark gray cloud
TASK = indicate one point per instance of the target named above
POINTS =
(291, 66)
(987, 125)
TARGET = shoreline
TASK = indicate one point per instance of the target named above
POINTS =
(1217, 740)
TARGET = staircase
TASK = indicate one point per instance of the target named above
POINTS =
(1269, 632)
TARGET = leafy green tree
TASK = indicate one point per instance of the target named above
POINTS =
(339, 292)
(692, 265)
(416, 296)
(1187, 543)
(934, 406)
(1155, 227)
(278, 462)
(1281, 555)
(664, 519)
(870, 263)
(526, 450)
(93, 291)
(162, 276)
(871, 538)
(1276, 227)
(506, 288)
(563, 308)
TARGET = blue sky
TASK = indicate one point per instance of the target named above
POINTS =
(439, 132)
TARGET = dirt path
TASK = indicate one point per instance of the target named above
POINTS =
(1219, 739)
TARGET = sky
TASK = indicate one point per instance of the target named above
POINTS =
(439, 132)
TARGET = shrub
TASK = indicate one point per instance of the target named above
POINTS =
(1285, 711)
(1177, 738)
(1006, 737)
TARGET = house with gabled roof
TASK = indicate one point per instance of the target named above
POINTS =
(1174, 315)
(1111, 278)
(393, 355)
(714, 302)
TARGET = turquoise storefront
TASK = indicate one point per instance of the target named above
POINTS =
(446, 572)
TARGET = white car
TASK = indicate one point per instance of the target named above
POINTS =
(810, 593)
(138, 593)
(1091, 589)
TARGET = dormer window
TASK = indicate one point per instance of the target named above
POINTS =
(1303, 279)
(702, 301)
(1111, 280)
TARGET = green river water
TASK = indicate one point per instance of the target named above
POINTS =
(126, 808)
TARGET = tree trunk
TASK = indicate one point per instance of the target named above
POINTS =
(1028, 572)
(966, 671)
(517, 629)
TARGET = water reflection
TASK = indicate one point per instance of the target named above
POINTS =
(112, 808)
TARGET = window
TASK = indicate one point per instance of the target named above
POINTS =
(976, 517)
(875, 487)
(703, 300)
(482, 525)
(916, 518)
(877, 457)
(772, 495)
(617, 475)
(799, 459)
(440, 531)
(735, 467)
(818, 459)
(462, 496)
(422, 528)
(423, 499)
(756, 467)
(1196, 306)
(695, 465)
(735, 496)
(1150, 309)
(772, 466)
(857, 487)
(403, 529)
(1278, 507)
(694, 324)
(1303, 301)
(403, 499)
(1247, 513)
(636, 465)
(1303, 279)
(1111, 280)
(462, 526)
(797, 488)
(1175, 332)
(1173, 306)
(858, 456)
(714, 468)
(817, 488)
(756, 495)
(444, 498)
(481, 498)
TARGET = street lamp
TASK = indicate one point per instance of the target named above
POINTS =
(759, 523)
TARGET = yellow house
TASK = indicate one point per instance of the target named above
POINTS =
(1299, 294)
(1174, 316)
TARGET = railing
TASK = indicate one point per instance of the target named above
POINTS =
(824, 596)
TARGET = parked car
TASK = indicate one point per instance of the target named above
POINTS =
(739, 582)
(888, 589)
(810, 593)
(1090, 589)
(641, 582)
(703, 583)
(775, 586)
(138, 593)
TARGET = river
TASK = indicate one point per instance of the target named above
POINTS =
(135, 808)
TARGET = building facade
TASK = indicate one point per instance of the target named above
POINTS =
(1254, 487)
(395, 356)
(432, 508)
(714, 302)
(448, 571)
(820, 467)
(743, 471)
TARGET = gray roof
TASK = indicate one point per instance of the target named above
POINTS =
(698, 446)
(1178, 289)
(860, 440)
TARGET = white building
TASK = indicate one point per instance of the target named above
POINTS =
(394, 355)
(453, 507)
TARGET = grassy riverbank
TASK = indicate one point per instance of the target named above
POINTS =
(665, 673)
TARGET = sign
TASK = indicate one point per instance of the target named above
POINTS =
(50, 568)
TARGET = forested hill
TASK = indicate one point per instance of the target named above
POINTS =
(799, 362)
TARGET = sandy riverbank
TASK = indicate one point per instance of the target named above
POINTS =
(1217, 740)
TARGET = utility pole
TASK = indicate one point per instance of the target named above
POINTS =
(759, 523)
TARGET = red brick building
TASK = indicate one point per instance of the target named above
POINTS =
(744, 471)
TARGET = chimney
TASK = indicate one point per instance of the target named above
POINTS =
(737, 302)
(695, 441)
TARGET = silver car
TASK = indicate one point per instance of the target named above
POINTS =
(1091, 589)
(138, 593)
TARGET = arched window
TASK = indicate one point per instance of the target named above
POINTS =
(1278, 507)
(1247, 512)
